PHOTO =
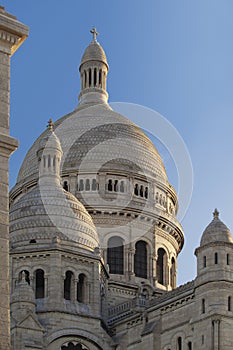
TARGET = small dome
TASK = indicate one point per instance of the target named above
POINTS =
(47, 212)
(216, 231)
(94, 51)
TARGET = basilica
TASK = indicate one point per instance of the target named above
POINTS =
(94, 240)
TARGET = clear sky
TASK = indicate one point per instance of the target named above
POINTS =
(175, 57)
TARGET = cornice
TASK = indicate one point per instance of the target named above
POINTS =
(12, 32)
(7, 145)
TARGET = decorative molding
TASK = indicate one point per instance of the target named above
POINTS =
(7, 145)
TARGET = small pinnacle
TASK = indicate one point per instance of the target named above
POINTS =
(94, 32)
(23, 277)
(50, 125)
(216, 213)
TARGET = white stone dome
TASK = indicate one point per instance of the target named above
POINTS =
(95, 136)
(47, 212)
(94, 52)
(216, 231)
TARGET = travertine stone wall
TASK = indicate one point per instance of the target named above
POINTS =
(12, 34)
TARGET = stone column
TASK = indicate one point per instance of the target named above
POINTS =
(12, 34)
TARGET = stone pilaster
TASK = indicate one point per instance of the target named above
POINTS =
(12, 34)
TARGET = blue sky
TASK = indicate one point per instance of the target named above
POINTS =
(175, 57)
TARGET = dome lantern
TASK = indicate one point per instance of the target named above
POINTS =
(93, 73)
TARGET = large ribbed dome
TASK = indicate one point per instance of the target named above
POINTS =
(216, 231)
(93, 136)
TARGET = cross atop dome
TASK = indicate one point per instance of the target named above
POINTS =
(94, 32)
(216, 213)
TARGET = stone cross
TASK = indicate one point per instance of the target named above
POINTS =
(94, 32)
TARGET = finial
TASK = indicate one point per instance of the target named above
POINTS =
(94, 32)
(50, 125)
(216, 213)
(23, 277)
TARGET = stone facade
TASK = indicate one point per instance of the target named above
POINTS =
(12, 34)
(95, 240)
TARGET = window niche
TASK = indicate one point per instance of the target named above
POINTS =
(229, 307)
(82, 288)
(161, 266)
(140, 259)
(24, 275)
(179, 343)
(216, 258)
(115, 255)
(69, 285)
(40, 284)
(203, 306)
(204, 261)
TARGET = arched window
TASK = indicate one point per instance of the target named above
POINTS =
(203, 306)
(179, 343)
(189, 345)
(65, 186)
(95, 77)
(54, 161)
(89, 77)
(228, 259)
(146, 192)
(115, 255)
(87, 186)
(216, 258)
(157, 197)
(204, 261)
(24, 274)
(40, 291)
(161, 265)
(81, 185)
(69, 285)
(100, 77)
(122, 187)
(49, 161)
(109, 185)
(173, 273)
(141, 191)
(229, 303)
(202, 339)
(81, 288)
(136, 189)
(93, 185)
(160, 199)
(116, 186)
(85, 79)
(140, 259)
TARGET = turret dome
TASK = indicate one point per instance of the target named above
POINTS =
(216, 231)
(94, 52)
(48, 211)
